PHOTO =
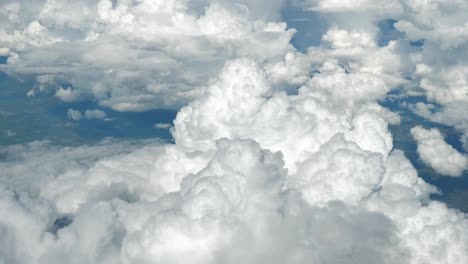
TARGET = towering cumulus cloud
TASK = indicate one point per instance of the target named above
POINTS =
(278, 156)
(255, 176)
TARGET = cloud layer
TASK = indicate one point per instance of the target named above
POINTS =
(260, 171)
(332, 191)
(133, 55)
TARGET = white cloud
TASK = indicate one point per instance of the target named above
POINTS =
(328, 173)
(435, 69)
(94, 114)
(242, 104)
(162, 125)
(73, 177)
(9, 133)
(435, 152)
(135, 56)
(67, 94)
(88, 114)
(441, 22)
(451, 114)
(352, 5)
(74, 114)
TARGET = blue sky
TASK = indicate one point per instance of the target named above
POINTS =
(45, 118)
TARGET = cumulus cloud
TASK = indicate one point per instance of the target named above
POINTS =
(74, 114)
(88, 114)
(140, 55)
(435, 152)
(351, 5)
(94, 114)
(278, 121)
(425, 53)
(255, 175)
(451, 29)
(65, 94)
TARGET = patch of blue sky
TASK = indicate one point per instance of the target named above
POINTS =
(24, 119)
(388, 32)
(309, 25)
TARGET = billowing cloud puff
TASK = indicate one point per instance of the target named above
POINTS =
(235, 209)
(435, 152)
(134, 55)
(234, 206)
(241, 104)
(325, 175)
(60, 176)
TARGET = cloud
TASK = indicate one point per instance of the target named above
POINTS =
(235, 199)
(74, 114)
(66, 95)
(350, 5)
(326, 175)
(426, 57)
(450, 114)
(135, 56)
(9, 133)
(162, 125)
(255, 175)
(60, 172)
(242, 104)
(434, 151)
(94, 114)
(451, 29)
(228, 209)
(446, 89)
(4, 51)
(88, 114)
